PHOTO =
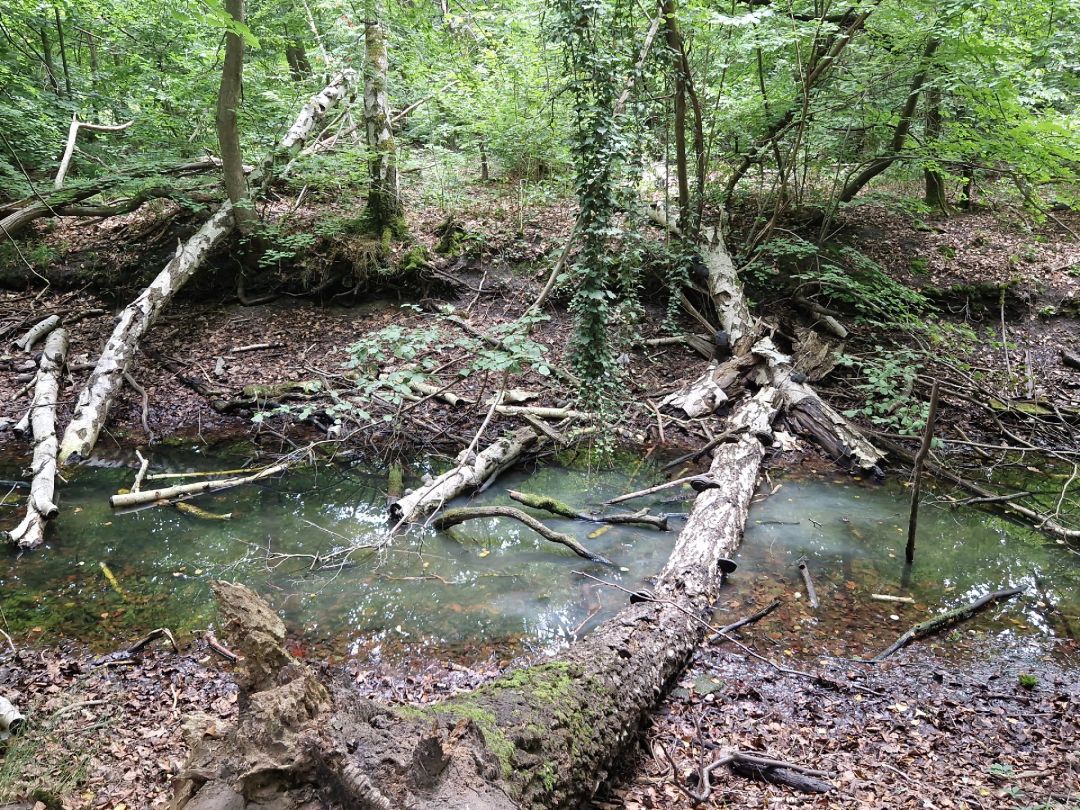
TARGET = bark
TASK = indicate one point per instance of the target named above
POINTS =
(37, 332)
(297, 59)
(41, 504)
(900, 132)
(674, 43)
(470, 472)
(107, 378)
(228, 101)
(63, 51)
(384, 210)
(47, 58)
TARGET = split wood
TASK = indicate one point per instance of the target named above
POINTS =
(946, 620)
(557, 507)
(453, 517)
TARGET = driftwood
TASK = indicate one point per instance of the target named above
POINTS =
(471, 471)
(885, 597)
(946, 620)
(452, 517)
(92, 407)
(41, 503)
(557, 507)
(168, 494)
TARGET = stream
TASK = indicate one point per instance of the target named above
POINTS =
(491, 587)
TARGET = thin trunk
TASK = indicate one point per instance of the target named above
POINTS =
(296, 56)
(384, 211)
(229, 93)
(935, 182)
(900, 132)
(63, 51)
(674, 43)
(826, 55)
(47, 59)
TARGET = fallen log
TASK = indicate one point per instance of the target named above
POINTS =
(720, 635)
(1070, 359)
(452, 517)
(539, 737)
(37, 332)
(471, 471)
(557, 507)
(755, 766)
(126, 500)
(946, 620)
(41, 503)
(107, 378)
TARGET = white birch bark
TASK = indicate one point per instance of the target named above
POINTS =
(41, 504)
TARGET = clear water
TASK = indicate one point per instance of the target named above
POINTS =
(492, 585)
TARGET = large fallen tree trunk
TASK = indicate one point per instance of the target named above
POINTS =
(41, 504)
(107, 378)
(17, 215)
(541, 737)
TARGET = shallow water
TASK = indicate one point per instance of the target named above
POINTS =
(492, 585)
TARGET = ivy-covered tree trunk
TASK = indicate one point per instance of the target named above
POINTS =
(229, 92)
(384, 210)
(935, 182)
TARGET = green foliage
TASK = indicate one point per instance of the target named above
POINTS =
(885, 382)
(1027, 680)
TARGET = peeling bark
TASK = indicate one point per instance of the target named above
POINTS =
(470, 472)
(384, 209)
(41, 504)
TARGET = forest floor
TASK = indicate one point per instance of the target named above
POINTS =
(942, 733)
(946, 728)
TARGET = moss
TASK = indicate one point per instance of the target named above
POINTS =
(497, 742)
(547, 775)
(416, 258)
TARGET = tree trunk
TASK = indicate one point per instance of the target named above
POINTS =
(900, 132)
(41, 505)
(47, 58)
(92, 408)
(384, 210)
(297, 58)
(63, 51)
(935, 195)
(674, 43)
(228, 101)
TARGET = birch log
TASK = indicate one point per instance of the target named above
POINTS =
(41, 504)
(467, 474)
(107, 378)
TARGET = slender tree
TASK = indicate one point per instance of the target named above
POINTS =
(228, 131)
(384, 210)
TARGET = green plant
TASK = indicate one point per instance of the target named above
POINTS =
(1027, 680)
(885, 384)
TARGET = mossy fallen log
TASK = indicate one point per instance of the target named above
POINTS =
(947, 620)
